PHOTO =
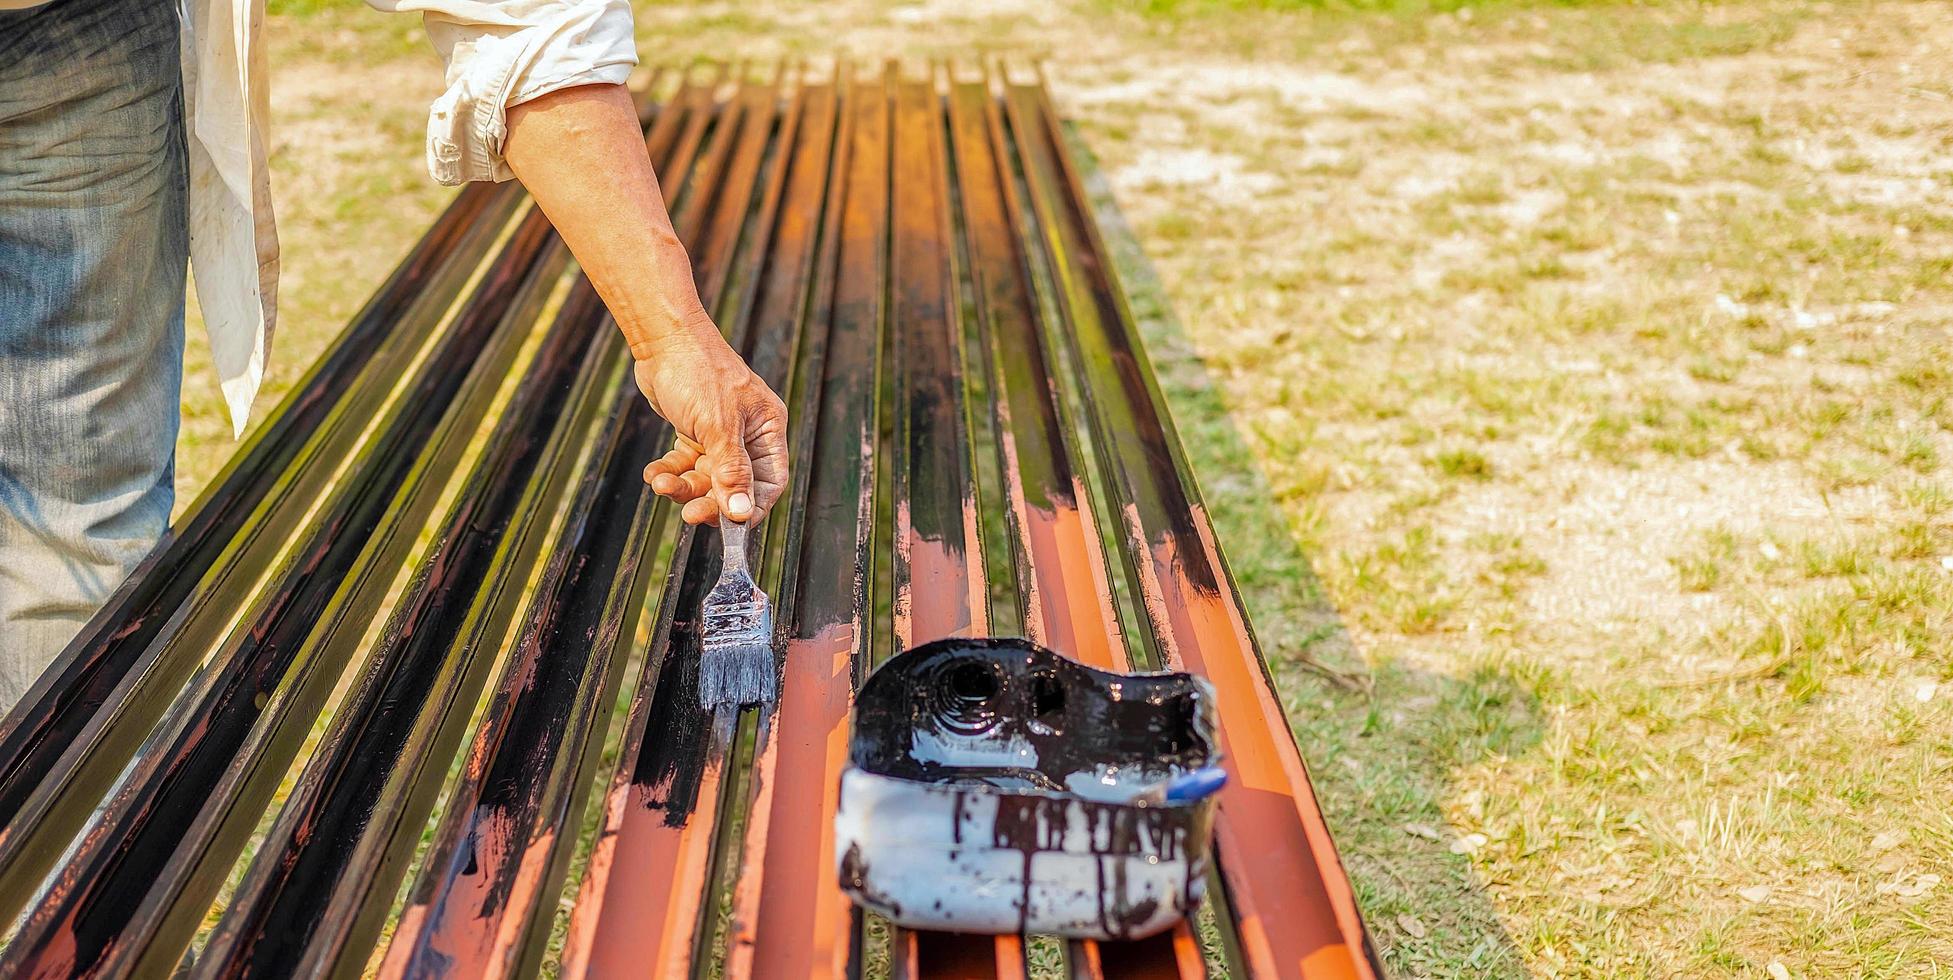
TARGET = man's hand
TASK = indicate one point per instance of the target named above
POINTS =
(580, 153)
(731, 456)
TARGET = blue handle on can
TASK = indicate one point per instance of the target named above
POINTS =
(1188, 787)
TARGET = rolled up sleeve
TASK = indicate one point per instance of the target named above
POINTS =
(502, 53)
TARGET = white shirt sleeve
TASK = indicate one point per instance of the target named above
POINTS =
(502, 53)
(233, 238)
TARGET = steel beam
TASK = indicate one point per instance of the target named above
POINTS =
(327, 871)
(790, 918)
(1295, 912)
(653, 858)
(1063, 588)
(64, 743)
(941, 583)
(128, 898)
(973, 421)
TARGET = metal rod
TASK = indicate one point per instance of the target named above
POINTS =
(332, 861)
(785, 344)
(939, 572)
(1063, 588)
(160, 582)
(812, 216)
(940, 579)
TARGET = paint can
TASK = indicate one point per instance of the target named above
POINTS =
(994, 786)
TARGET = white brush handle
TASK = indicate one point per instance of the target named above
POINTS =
(732, 534)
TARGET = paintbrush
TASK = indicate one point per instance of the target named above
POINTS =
(736, 657)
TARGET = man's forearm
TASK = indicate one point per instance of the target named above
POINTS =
(581, 155)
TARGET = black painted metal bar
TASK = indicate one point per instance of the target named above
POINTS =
(486, 894)
(412, 297)
(63, 745)
(328, 869)
(126, 898)
(312, 900)
(553, 697)
(313, 897)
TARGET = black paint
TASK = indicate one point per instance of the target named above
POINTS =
(84, 677)
(993, 691)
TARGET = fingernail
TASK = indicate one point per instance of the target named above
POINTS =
(740, 504)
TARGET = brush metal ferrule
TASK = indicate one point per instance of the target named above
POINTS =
(732, 537)
(735, 612)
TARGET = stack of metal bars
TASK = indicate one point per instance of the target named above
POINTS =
(980, 447)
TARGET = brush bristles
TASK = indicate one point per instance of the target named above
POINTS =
(731, 676)
(737, 669)
(736, 638)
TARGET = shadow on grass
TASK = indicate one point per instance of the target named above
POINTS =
(1383, 743)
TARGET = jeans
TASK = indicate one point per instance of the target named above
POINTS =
(94, 243)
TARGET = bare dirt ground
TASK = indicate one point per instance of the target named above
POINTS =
(1573, 380)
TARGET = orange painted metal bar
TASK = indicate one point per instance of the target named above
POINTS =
(790, 918)
(751, 118)
(1167, 956)
(1062, 584)
(643, 909)
(698, 100)
(1065, 594)
(939, 572)
(941, 587)
(1064, 598)
(1063, 588)
(958, 956)
(801, 202)
(1296, 914)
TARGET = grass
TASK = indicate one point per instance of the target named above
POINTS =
(1516, 433)
(1572, 375)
